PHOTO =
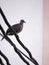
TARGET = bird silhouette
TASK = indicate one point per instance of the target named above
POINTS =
(17, 28)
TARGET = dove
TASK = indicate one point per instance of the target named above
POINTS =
(16, 27)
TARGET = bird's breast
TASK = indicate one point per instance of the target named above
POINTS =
(21, 28)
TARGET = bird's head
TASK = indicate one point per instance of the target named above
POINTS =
(22, 21)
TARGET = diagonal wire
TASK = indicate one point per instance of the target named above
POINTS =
(17, 37)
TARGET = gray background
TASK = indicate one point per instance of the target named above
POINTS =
(31, 11)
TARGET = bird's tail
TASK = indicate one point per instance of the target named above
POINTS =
(2, 38)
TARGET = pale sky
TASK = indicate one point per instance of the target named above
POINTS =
(32, 12)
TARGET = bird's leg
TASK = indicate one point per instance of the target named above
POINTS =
(2, 36)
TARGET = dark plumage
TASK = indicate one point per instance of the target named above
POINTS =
(17, 28)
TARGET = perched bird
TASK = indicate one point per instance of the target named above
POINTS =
(17, 28)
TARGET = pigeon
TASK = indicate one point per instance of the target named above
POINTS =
(17, 28)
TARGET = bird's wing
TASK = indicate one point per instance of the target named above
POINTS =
(16, 28)
(8, 31)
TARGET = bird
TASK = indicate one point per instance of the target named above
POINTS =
(16, 27)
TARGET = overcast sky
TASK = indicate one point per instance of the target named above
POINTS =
(31, 11)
